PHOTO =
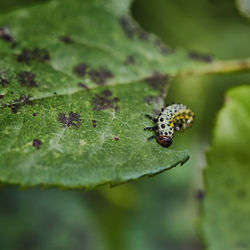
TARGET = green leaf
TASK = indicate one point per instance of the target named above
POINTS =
(225, 222)
(76, 79)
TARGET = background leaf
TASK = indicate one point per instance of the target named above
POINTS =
(226, 204)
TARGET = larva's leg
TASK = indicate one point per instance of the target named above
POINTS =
(151, 128)
(151, 118)
(151, 137)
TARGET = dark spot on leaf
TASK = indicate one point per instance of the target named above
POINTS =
(1, 96)
(4, 80)
(141, 33)
(37, 143)
(66, 39)
(27, 79)
(127, 26)
(129, 60)
(157, 81)
(131, 29)
(26, 55)
(34, 114)
(116, 138)
(80, 70)
(54, 93)
(18, 103)
(104, 100)
(200, 194)
(100, 76)
(162, 47)
(5, 35)
(82, 85)
(94, 123)
(200, 57)
(12, 92)
(107, 92)
(72, 119)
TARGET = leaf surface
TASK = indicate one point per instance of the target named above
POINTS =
(76, 79)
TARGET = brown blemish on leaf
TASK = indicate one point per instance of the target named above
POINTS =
(5, 35)
(116, 138)
(3, 80)
(130, 60)
(26, 55)
(82, 85)
(34, 114)
(157, 81)
(18, 103)
(1, 96)
(70, 120)
(66, 39)
(94, 123)
(80, 70)
(37, 143)
(162, 47)
(200, 57)
(27, 79)
(104, 100)
(127, 26)
(100, 76)
(131, 29)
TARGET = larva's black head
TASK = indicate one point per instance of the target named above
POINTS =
(164, 141)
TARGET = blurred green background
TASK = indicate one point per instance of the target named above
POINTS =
(153, 213)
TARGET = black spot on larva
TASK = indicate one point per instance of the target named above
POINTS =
(157, 81)
(5, 35)
(162, 47)
(26, 55)
(82, 85)
(80, 70)
(200, 57)
(199, 195)
(162, 125)
(37, 143)
(100, 76)
(131, 29)
(70, 120)
(27, 79)
(162, 119)
(116, 138)
(94, 123)
(166, 133)
(66, 39)
(104, 100)
(18, 103)
(3, 80)
(34, 114)
(130, 60)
